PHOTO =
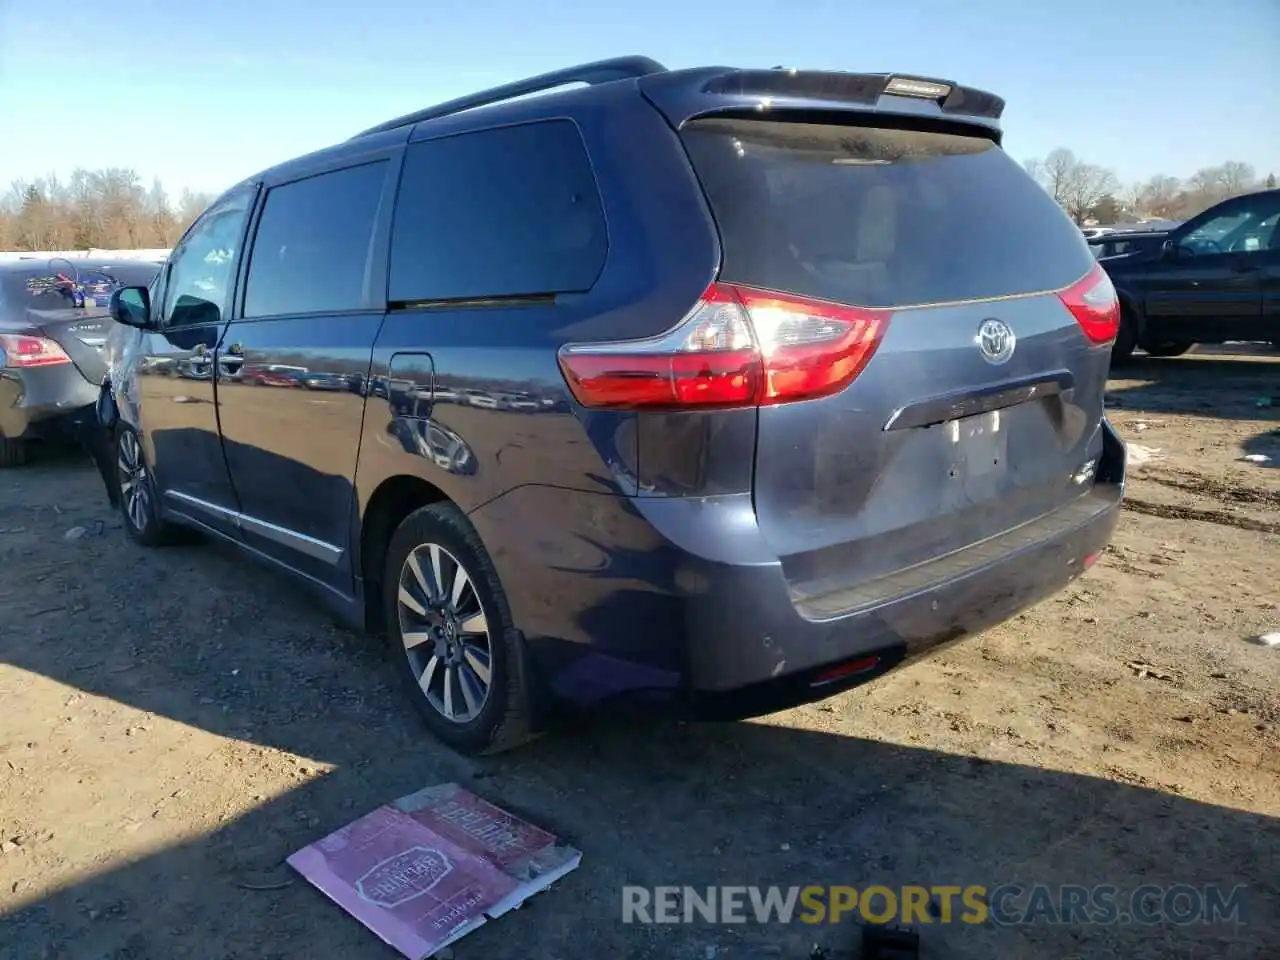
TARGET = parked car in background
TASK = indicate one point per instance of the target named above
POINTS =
(1213, 279)
(274, 374)
(825, 382)
(54, 319)
(1123, 242)
(322, 380)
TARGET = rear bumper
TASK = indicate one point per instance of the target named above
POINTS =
(44, 402)
(781, 643)
(898, 617)
(618, 595)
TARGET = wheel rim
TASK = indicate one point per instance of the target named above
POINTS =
(445, 630)
(134, 489)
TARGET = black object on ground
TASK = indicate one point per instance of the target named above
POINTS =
(882, 943)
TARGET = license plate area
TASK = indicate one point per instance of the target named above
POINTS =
(979, 445)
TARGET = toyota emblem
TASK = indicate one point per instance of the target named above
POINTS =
(996, 341)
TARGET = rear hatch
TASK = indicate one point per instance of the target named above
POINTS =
(978, 411)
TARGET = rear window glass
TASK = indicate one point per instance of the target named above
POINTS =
(497, 213)
(64, 284)
(879, 217)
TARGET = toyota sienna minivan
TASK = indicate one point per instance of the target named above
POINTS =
(815, 376)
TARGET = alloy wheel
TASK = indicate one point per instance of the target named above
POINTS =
(134, 489)
(445, 632)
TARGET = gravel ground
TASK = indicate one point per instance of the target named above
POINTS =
(174, 723)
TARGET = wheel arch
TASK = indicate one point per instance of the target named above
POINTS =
(1129, 307)
(394, 499)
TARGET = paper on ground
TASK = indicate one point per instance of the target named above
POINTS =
(431, 867)
(1139, 454)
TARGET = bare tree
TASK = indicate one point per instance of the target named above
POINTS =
(190, 206)
(1058, 169)
(1237, 178)
(1211, 185)
(1076, 186)
(1081, 188)
(94, 208)
(1159, 197)
(160, 216)
(1085, 188)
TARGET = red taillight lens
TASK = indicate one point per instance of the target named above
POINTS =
(847, 669)
(19, 351)
(737, 347)
(1093, 302)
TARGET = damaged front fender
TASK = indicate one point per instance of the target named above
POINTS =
(121, 352)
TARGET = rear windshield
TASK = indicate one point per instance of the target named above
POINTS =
(63, 284)
(879, 217)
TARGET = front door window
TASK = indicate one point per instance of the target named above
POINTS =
(202, 268)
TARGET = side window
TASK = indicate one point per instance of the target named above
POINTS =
(311, 251)
(202, 268)
(499, 213)
(1267, 236)
(1243, 227)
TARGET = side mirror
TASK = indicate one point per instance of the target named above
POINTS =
(132, 307)
(1169, 250)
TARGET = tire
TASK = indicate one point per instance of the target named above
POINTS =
(1170, 348)
(443, 649)
(138, 500)
(13, 453)
(1126, 340)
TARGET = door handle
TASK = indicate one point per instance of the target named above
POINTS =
(236, 349)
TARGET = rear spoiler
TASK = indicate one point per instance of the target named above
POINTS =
(685, 94)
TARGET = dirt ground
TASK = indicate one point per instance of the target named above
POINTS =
(174, 723)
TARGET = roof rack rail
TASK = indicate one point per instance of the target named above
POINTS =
(601, 71)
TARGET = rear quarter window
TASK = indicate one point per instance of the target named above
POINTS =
(513, 211)
(879, 217)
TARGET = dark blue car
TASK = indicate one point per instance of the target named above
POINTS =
(729, 388)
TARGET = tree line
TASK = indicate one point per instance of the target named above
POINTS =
(108, 209)
(1091, 192)
(111, 209)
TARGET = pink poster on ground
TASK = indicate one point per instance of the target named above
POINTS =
(429, 868)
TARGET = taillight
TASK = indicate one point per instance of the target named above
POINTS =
(737, 347)
(1093, 302)
(20, 351)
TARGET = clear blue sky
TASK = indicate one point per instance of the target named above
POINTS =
(203, 94)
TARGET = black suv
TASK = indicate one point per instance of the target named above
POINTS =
(1214, 279)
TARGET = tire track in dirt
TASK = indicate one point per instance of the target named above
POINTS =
(1215, 489)
(1171, 511)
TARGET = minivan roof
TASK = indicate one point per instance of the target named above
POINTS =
(681, 95)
